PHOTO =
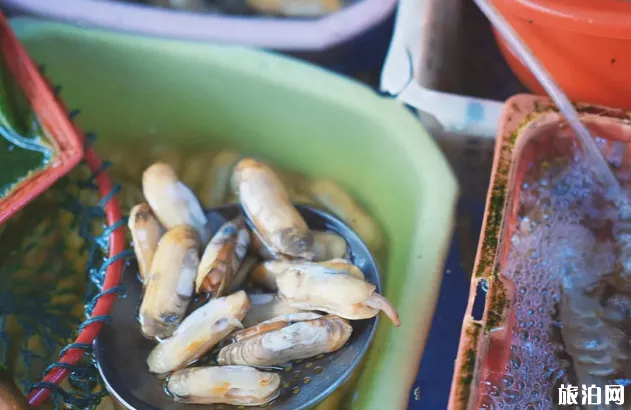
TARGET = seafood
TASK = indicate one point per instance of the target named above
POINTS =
(194, 172)
(172, 202)
(277, 345)
(266, 306)
(622, 233)
(222, 257)
(244, 270)
(596, 348)
(343, 266)
(328, 245)
(616, 311)
(274, 323)
(215, 189)
(267, 272)
(235, 385)
(199, 333)
(329, 194)
(261, 248)
(329, 291)
(170, 283)
(146, 231)
(266, 204)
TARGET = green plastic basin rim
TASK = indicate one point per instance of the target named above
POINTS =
(392, 362)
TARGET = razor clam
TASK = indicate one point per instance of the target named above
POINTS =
(267, 205)
(328, 245)
(261, 248)
(170, 283)
(267, 272)
(222, 257)
(215, 189)
(343, 266)
(244, 270)
(334, 198)
(172, 202)
(329, 291)
(146, 231)
(199, 333)
(235, 385)
(266, 306)
(295, 341)
(274, 323)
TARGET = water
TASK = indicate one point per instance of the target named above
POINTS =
(593, 155)
(564, 239)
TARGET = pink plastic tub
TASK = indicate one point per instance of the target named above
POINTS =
(282, 34)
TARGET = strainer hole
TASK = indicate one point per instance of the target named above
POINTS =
(287, 385)
(307, 380)
(289, 368)
(297, 374)
(319, 356)
(309, 365)
(296, 390)
(318, 370)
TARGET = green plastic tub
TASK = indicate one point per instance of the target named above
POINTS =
(300, 117)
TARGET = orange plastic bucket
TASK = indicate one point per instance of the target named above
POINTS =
(584, 44)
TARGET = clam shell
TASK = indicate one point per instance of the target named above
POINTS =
(267, 205)
(235, 385)
(222, 257)
(268, 272)
(172, 202)
(169, 285)
(243, 272)
(296, 341)
(328, 245)
(146, 231)
(199, 333)
(337, 200)
(329, 291)
(266, 306)
(274, 323)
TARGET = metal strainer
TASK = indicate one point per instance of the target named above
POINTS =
(121, 349)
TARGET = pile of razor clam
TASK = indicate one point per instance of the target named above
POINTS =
(313, 290)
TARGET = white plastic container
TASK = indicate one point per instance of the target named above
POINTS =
(283, 34)
(422, 50)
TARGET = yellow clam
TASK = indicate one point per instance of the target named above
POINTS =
(329, 291)
(274, 323)
(170, 283)
(333, 197)
(328, 245)
(266, 306)
(172, 202)
(199, 333)
(266, 203)
(235, 385)
(266, 273)
(222, 257)
(243, 272)
(281, 342)
(146, 231)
